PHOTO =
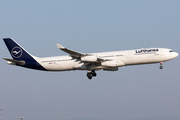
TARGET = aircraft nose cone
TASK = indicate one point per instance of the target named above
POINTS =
(175, 54)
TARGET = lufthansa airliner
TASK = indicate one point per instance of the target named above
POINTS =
(91, 62)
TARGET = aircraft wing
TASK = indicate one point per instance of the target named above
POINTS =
(76, 54)
(70, 52)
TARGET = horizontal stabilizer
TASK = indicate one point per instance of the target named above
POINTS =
(15, 61)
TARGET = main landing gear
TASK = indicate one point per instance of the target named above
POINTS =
(91, 74)
(161, 67)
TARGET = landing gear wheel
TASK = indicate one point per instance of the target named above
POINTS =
(161, 67)
(89, 75)
(93, 73)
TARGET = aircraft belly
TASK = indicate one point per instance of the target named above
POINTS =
(79, 66)
(126, 60)
(66, 65)
(48, 67)
(141, 59)
(153, 58)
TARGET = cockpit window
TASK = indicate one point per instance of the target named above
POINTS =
(171, 51)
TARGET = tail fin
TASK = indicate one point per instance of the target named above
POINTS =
(21, 56)
(17, 52)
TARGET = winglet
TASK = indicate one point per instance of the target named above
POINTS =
(60, 46)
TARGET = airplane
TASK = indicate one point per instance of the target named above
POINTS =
(107, 61)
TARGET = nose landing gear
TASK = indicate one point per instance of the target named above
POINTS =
(161, 67)
(91, 74)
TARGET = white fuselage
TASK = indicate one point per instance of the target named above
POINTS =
(109, 61)
(124, 58)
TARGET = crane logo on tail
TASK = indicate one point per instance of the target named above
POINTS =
(16, 52)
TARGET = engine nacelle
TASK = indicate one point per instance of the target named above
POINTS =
(113, 63)
(89, 59)
(111, 69)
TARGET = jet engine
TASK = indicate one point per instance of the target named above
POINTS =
(89, 59)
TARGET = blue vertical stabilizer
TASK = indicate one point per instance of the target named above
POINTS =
(19, 53)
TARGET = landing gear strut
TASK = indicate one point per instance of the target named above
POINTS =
(91, 74)
(161, 67)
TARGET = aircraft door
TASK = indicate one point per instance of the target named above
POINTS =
(129, 57)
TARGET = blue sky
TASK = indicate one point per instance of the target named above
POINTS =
(132, 93)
